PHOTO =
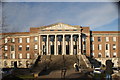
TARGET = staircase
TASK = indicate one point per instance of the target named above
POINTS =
(87, 63)
(58, 62)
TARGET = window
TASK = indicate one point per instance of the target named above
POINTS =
(99, 47)
(12, 63)
(27, 48)
(92, 38)
(114, 47)
(114, 38)
(107, 54)
(6, 40)
(114, 54)
(5, 56)
(12, 48)
(20, 56)
(43, 30)
(74, 30)
(84, 46)
(36, 39)
(107, 39)
(19, 63)
(92, 54)
(20, 48)
(51, 30)
(13, 40)
(83, 38)
(99, 55)
(6, 48)
(5, 63)
(93, 47)
(27, 40)
(35, 55)
(36, 47)
(28, 56)
(59, 30)
(20, 40)
(107, 47)
(12, 56)
(99, 39)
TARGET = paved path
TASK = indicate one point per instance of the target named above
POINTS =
(69, 74)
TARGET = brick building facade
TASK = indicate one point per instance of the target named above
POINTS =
(58, 39)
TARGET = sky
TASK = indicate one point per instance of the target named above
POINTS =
(99, 16)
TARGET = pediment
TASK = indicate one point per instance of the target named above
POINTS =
(59, 26)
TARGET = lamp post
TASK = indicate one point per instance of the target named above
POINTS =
(80, 50)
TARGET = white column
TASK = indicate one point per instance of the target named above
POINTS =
(47, 45)
(71, 53)
(63, 46)
(79, 43)
(55, 46)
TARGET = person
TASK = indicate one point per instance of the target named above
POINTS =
(76, 66)
(109, 70)
(63, 72)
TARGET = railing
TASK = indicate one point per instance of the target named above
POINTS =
(86, 61)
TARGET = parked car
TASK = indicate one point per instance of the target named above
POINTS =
(97, 71)
(115, 69)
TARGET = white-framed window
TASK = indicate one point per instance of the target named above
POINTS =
(107, 46)
(114, 54)
(20, 40)
(36, 47)
(12, 48)
(5, 56)
(19, 63)
(84, 46)
(114, 38)
(35, 55)
(107, 54)
(20, 48)
(114, 46)
(13, 40)
(92, 38)
(99, 47)
(27, 48)
(20, 56)
(93, 47)
(28, 56)
(107, 39)
(12, 63)
(5, 63)
(12, 56)
(27, 40)
(92, 54)
(99, 55)
(6, 48)
(6, 40)
(35, 39)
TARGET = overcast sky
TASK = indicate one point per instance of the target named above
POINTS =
(99, 16)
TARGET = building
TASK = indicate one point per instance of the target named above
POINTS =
(58, 39)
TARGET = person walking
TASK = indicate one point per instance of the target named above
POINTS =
(76, 67)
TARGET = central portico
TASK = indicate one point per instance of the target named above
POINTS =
(60, 39)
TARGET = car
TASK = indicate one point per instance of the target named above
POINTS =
(97, 71)
(115, 69)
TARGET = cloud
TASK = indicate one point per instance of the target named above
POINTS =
(22, 16)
